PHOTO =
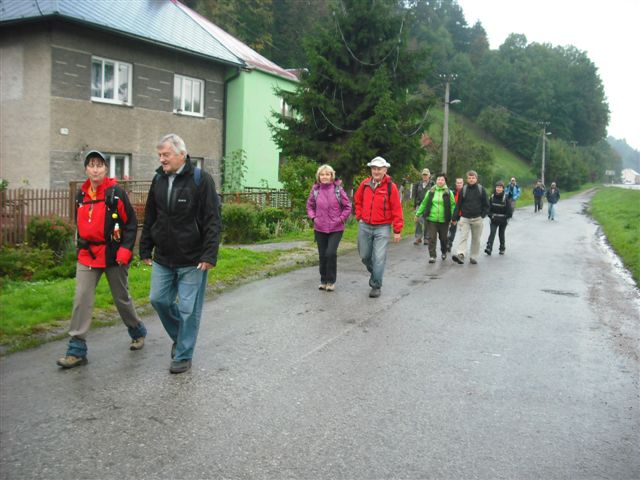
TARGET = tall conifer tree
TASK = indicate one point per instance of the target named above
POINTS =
(358, 98)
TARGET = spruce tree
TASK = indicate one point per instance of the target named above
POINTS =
(358, 98)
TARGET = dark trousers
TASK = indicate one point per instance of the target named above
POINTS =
(328, 254)
(452, 235)
(435, 230)
(500, 227)
(538, 204)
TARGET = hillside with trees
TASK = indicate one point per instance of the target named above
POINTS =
(374, 77)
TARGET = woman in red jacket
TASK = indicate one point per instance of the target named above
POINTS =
(107, 228)
(378, 211)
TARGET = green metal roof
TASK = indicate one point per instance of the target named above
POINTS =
(161, 22)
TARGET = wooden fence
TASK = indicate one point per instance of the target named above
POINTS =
(18, 206)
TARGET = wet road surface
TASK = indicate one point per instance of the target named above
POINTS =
(523, 366)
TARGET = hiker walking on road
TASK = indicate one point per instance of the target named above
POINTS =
(472, 207)
(107, 228)
(553, 195)
(419, 191)
(182, 232)
(437, 208)
(538, 193)
(453, 226)
(513, 193)
(499, 214)
(329, 207)
(378, 211)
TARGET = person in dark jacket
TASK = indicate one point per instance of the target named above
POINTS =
(107, 228)
(418, 192)
(472, 207)
(553, 195)
(453, 227)
(538, 193)
(329, 207)
(499, 213)
(181, 231)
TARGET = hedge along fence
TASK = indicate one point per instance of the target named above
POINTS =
(18, 206)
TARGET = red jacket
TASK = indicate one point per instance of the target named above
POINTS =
(377, 207)
(96, 228)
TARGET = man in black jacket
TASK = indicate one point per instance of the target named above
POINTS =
(182, 230)
(418, 192)
(472, 207)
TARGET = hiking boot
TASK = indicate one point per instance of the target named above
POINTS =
(180, 366)
(322, 286)
(137, 343)
(330, 287)
(173, 350)
(375, 292)
(487, 251)
(432, 260)
(473, 261)
(444, 256)
(501, 252)
(458, 258)
(417, 241)
(71, 362)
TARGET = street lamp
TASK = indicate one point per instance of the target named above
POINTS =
(544, 137)
(445, 132)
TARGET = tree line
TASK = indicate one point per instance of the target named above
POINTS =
(375, 69)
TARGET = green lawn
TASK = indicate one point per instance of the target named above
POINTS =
(617, 210)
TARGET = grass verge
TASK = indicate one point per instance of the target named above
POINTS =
(617, 212)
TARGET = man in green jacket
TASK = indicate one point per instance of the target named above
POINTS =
(437, 208)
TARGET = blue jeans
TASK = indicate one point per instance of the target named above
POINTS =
(372, 246)
(552, 210)
(177, 294)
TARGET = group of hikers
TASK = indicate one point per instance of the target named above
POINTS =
(182, 229)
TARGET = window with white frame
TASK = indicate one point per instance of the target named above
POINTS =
(188, 94)
(111, 81)
(119, 165)
(285, 109)
(197, 161)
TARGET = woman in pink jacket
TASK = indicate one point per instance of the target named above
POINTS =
(329, 207)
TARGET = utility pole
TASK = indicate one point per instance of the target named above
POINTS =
(544, 139)
(445, 132)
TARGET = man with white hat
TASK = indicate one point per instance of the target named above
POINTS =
(378, 211)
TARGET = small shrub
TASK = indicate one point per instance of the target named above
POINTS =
(49, 232)
(241, 223)
(24, 262)
(271, 218)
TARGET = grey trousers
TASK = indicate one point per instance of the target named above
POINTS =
(86, 282)
(473, 227)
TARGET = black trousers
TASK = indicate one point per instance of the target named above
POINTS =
(452, 234)
(328, 254)
(538, 204)
(435, 230)
(500, 227)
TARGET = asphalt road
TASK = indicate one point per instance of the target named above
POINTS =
(525, 366)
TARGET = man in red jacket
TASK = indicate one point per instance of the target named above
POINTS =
(378, 211)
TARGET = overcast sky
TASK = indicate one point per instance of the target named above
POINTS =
(608, 31)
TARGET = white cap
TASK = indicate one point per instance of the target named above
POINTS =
(378, 162)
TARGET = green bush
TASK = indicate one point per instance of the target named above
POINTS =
(50, 232)
(241, 223)
(272, 218)
(23, 262)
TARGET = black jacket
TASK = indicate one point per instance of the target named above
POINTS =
(419, 192)
(472, 202)
(187, 231)
(499, 209)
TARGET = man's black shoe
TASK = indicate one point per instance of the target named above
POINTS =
(180, 366)
(375, 292)
(458, 259)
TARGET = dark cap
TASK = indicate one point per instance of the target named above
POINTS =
(499, 183)
(93, 154)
